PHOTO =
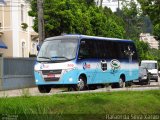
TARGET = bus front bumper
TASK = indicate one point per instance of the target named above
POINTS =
(61, 79)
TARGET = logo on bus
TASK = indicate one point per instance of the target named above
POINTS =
(86, 66)
(42, 66)
(115, 64)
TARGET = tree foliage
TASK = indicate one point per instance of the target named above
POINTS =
(136, 23)
(84, 17)
(77, 16)
(143, 50)
(152, 9)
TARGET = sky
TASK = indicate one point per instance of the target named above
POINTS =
(113, 4)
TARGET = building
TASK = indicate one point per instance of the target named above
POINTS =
(16, 29)
(146, 37)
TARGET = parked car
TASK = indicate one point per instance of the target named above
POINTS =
(144, 75)
(152, 67)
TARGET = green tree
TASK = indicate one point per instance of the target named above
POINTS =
(131, 15)
(77, 16)
(144, 50)
(152, 9)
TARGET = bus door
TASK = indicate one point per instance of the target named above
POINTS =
(87, 59)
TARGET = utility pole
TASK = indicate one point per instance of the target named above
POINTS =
(118, 10)
(118, 5)
(41, 30)
(101, 2)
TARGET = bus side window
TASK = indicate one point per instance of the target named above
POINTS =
(114, 49)
(83, 51)
(92, 48)
(117, 50)
(129, 49)
(108, 49)
(100, 47)
(87, 49)
(123, 49)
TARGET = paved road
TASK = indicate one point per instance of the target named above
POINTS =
(34, 91)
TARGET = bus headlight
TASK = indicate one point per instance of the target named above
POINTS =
(36, 80)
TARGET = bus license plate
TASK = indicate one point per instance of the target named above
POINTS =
(50, 75)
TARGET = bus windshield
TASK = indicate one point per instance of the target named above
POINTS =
(58, 50)
(149, 65)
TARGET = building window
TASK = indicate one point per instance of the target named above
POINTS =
(33, 48)
(23, 49)
(22, 13)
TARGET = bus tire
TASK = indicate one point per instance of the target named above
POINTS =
(82, 84)
(44, 88)
(121, 83)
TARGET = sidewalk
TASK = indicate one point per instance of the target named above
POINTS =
(26, 92)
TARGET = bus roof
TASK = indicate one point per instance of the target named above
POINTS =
(148, 61)
(76, 36)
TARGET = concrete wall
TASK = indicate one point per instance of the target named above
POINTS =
(17, 82)
(22, 77)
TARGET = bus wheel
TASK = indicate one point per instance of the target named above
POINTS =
(81, 84)
(44, 88)
(121, 83)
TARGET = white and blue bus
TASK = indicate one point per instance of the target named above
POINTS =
(80, 61)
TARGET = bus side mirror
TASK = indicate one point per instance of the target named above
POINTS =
(38, 47)
(80, 57)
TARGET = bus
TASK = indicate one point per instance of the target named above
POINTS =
(79, 61)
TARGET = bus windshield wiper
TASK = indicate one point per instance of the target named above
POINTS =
(55, 57)
(45, 57)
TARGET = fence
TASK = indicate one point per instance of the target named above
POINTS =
(16, 73)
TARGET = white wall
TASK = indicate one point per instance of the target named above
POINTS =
(15, 27)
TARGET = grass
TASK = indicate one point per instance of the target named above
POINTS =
(81, 106)
(25, 92)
